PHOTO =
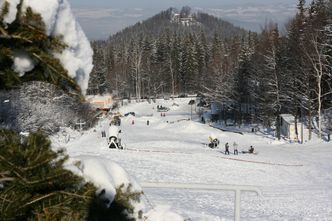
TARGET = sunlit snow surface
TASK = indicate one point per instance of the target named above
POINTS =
(295, 179)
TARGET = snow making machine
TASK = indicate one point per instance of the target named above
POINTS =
(114, 141)
(214, 142)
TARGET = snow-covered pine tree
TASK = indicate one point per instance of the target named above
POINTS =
(27, 37)
(243, 80)
(202, 57)
(34, 184)
(190, 63)
(99, 82)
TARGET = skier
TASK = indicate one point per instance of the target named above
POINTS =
(236, 152)
(148, 122)
(251, 149)
(226, 149)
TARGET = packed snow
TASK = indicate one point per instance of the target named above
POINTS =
(60, 21)
(295, 179)
(22, 63)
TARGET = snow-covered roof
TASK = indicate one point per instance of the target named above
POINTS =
(100, 101)
(98, 97)
(289, 118)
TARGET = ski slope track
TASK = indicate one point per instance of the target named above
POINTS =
(295, 180)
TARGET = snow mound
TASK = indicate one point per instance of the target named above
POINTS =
(163, 213)
(22, 63)
(106, 175)
(190, 126)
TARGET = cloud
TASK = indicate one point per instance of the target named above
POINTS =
(103, 13)
(253, 16)
(133, 15)
(96, 13)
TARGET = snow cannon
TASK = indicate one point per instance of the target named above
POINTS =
(214, 142)
(114, 142)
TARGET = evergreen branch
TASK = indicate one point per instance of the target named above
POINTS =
(4, 173)
(27, 182)
(35, 166)
(3, 31)
(9, 163)
(5, 35)
(6, 179)
(38, 199)
(4, 199)
(52, 194)
(75, 195)
(39, 181)
(53, 69)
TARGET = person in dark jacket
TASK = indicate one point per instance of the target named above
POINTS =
(226, 149)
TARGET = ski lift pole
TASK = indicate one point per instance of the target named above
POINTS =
(81, 125)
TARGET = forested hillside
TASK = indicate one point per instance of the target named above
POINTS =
(254, 76)
(168, 53)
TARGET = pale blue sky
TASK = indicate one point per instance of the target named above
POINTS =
(100, 18)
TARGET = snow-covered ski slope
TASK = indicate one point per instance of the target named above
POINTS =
(295, 179)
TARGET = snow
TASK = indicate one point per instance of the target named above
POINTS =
(22, 63)
(113, 131)
(289, 118)
(106, 175)
(60, 21)
(12, 10)
(163, 213)
(295, 179)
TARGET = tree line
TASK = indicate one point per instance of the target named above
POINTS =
(255, 76)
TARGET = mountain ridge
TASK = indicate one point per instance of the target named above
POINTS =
(184, 20)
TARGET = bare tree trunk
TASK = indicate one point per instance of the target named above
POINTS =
(319, 106)
(172, 78)
(296, 123)
(309, 123)
(316, 60)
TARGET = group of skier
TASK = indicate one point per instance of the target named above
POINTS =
(236, 152)
(214, 142)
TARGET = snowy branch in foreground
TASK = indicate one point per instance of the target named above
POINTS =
(60, 21)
